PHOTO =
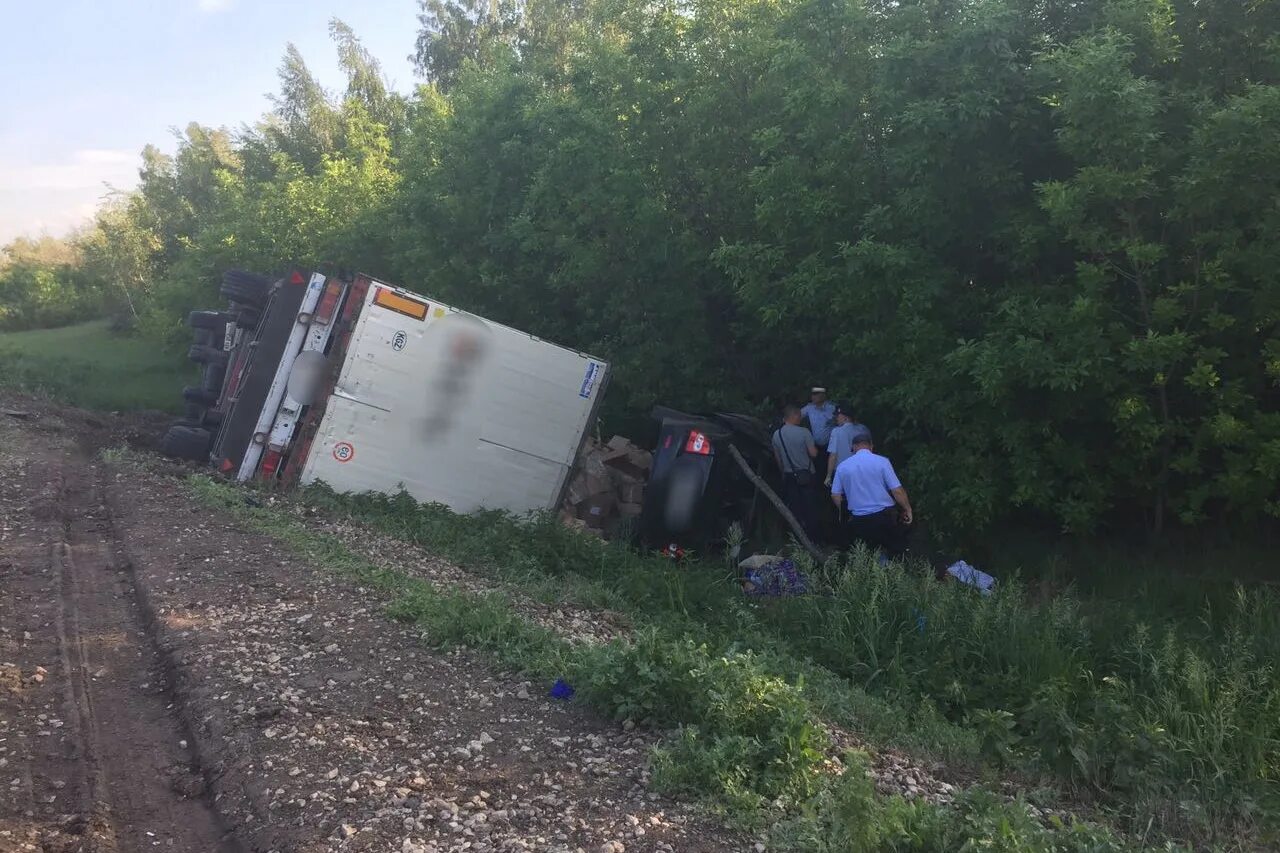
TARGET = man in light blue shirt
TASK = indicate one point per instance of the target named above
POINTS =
(821, 412)
(871, 500)
(843, 435)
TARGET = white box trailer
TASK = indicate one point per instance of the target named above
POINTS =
(365, 386)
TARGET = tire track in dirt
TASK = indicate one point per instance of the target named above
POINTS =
(96, 761)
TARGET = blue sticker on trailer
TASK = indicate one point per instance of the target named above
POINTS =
(589, 381)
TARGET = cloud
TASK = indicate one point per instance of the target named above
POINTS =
(84, 169)
(212, 6)
(104, 155)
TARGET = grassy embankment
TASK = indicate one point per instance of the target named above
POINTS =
(747, 721)
(90, 366)
(1169, 724)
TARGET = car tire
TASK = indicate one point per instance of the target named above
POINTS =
(206, 354)
(245, 288)
(186, 442)
(199, 396)
(214, 321)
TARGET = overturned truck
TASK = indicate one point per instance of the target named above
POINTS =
(369, 387)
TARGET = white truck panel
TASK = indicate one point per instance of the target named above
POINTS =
(458, 410)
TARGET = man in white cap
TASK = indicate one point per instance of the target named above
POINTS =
(821, 414)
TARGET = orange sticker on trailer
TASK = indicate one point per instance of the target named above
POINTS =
(393, 301)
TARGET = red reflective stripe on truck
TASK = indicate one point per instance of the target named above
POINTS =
(270, 464)
(328, 302)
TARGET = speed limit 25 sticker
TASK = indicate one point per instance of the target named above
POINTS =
(343, 451)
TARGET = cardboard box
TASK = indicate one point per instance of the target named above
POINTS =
(641, 459)
(579, 490)
(597, 508)
(632, 493)
(621, 461)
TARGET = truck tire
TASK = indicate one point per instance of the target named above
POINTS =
(206, 354)
(248, 318)
(212, 418)
(186, 442)
(214, 321)
(214, 376)
(245, 288)
(204, 337)
(200, 396)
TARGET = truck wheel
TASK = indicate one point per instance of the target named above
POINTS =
(214, 376)
(212, 418)
(247, 318)
(186, 442)
(204, 337)
(214, 321)
(206, 354)
(200, 396)
(245, 288)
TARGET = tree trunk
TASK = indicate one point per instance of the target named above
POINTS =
(762, 486)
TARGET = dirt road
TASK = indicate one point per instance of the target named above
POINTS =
(169, 682)
(93, 759)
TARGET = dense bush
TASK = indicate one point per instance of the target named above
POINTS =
(1033, 242)
(45, 283)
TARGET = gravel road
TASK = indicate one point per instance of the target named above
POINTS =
(171, 682)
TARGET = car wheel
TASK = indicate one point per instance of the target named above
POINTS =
(245, 288)
(206, 354)
(186, 442)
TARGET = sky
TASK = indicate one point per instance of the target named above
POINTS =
(88, 83)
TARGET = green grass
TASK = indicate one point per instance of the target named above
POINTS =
(746, 737)
(90, 366)
(1172, 724)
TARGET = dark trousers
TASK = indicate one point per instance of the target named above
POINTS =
(802, 501)
(878, 531)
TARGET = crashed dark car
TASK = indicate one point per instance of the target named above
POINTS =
(697, 488)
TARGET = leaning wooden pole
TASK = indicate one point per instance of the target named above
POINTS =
(801, 536)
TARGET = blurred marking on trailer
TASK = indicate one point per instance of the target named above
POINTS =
(343, 451)
(398, 340)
